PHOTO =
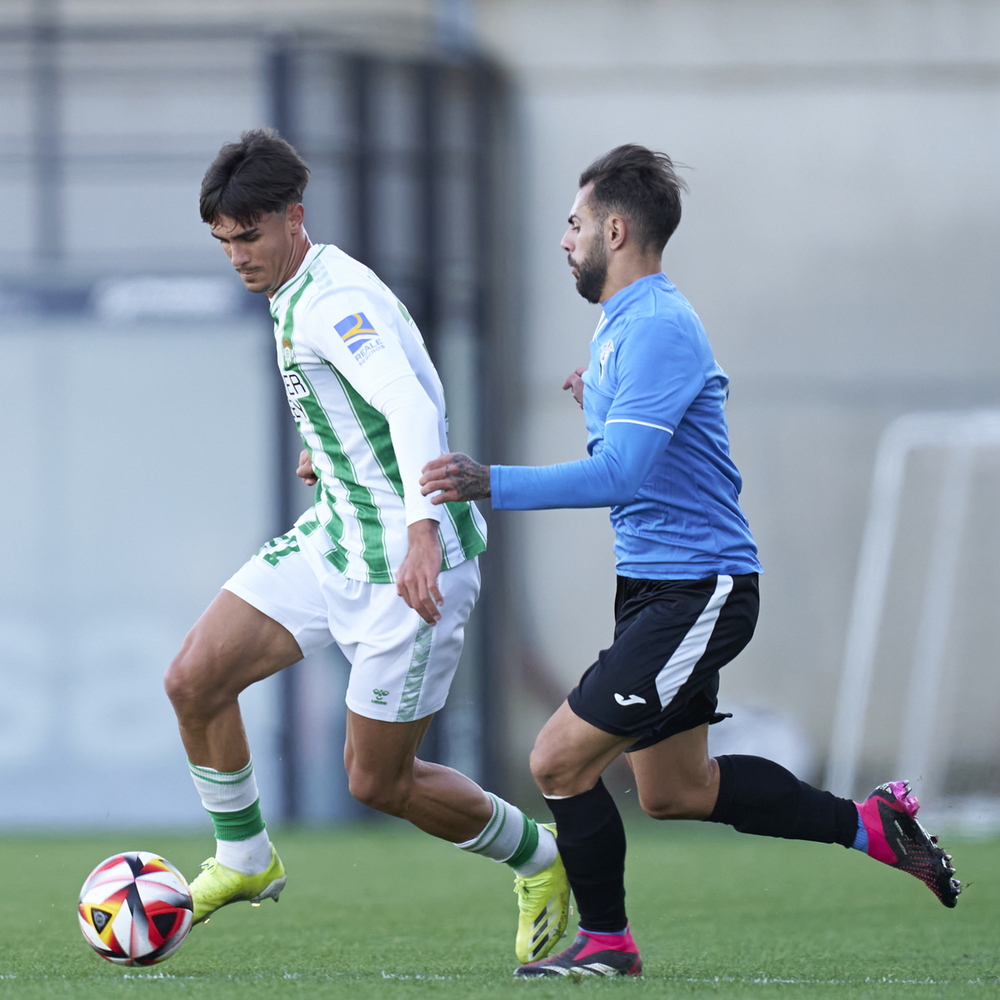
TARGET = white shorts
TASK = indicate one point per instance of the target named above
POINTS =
(401, 667)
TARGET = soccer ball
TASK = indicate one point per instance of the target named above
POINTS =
(135, 909)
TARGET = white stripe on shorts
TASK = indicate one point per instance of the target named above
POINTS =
(678, 668)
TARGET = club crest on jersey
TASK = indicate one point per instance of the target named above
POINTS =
(287, 358)
(606, 348)
(360, 336)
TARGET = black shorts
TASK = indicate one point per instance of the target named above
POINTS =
(661, 675)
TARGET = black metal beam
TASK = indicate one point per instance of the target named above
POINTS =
(426, 306)
(428, 168)
(493, 610)
(361, 162)
(281, 75)
(47, 133)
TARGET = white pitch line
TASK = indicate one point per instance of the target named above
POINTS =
(767, 980)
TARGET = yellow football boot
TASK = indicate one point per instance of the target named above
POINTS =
(218, 885)
(543, 902)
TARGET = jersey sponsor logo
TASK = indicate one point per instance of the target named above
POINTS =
(295, 386)
(360, 336)
(606, 348)
(295, 389)
(632, 699)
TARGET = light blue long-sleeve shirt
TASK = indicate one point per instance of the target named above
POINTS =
(654, 402)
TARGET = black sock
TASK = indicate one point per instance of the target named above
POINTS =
(591, 842)
(759, 796)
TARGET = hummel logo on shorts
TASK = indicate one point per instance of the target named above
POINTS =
(632, 699)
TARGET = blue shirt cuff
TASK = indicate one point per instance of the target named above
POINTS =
(496, 495)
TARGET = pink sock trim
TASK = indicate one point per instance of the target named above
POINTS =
(607, 942)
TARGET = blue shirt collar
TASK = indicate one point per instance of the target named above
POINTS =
(630, 294)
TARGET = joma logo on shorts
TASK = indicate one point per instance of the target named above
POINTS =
(632, 699)
(380, 695)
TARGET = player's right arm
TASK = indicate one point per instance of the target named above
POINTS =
(609, 478)
(305, 471)
(659, 374)
(384, 379)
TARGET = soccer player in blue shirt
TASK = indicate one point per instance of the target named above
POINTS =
(687, 599)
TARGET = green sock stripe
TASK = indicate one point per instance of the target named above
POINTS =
(528, 845)
(478, 843)
(500, 817)
(240, 825)
(221, 777)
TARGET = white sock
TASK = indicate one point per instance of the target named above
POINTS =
(224, 791)
(545, 853)
(248, 857)
(231, 799)
(508, 833)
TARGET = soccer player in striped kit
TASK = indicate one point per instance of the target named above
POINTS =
(687, 599)
(373, 565)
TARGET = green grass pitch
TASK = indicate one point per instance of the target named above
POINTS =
(384, 911)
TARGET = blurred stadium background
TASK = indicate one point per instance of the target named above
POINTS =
(841, 242)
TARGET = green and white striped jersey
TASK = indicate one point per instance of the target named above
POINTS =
(365, 396)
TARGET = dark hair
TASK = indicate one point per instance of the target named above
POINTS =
(643, 187)
(259, 174)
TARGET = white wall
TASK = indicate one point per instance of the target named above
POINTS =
(135, 477)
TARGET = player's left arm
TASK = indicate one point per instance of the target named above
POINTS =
(574, 383)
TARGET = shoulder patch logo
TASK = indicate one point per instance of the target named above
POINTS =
(606, 348)
(357, 332)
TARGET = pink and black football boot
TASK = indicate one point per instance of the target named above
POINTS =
(895, 837)
(590, 955)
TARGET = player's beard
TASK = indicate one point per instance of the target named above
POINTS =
(592, 273)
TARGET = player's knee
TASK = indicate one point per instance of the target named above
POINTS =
(374, 791)
(553, 772)
(190, 685)
(683, 799)
(666, 807)
(177, 681)
(542, 767)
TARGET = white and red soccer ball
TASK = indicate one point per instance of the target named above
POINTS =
(135, 909)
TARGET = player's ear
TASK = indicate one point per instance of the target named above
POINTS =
(615, 231)
(295, 214)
